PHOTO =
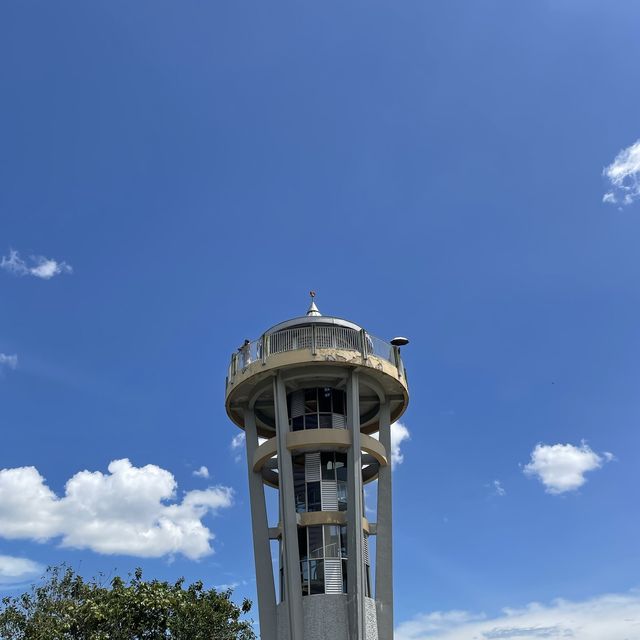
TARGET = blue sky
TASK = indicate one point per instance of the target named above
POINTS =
(175, 177)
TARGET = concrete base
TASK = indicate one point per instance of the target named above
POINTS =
(326, 618)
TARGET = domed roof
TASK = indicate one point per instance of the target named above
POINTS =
(313, 316)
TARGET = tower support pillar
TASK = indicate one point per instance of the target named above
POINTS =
(261, 546)
(384, 541)
(288, 516)
(355, 513)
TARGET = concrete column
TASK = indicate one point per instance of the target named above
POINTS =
(291, 554)
(261, 545)
(384, 540)
(355, 513)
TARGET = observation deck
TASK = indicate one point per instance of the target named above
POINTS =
(323, 341)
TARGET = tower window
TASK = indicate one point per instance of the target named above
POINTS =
(317, 407)
(323, 566)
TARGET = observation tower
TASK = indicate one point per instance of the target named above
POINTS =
(309, 394)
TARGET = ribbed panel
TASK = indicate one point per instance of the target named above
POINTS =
(297, 404)
(312, 467)
(338, 421)
(365, 549)
(332, 575)
(329, 490)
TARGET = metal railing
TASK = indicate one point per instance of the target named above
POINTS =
(313, 338)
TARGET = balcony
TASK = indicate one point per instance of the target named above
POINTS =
(314, 339)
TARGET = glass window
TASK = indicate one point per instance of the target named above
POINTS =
(341, 466)
(344, 576)
(338, 402)
(324, 400)
(297, 423)
(314, 497)
(316, 576)
(331, 541)
(315, 541)
(304, 577)
(343, 541)
(311, 421)
(311, 401)
(301, 497)
(328, 466)
(302, 543)
(342, 495)
(325, 421)
(299, 486)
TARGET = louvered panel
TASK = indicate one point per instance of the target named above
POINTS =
(365, 549)
(332, 575)
(297, 404)
(312, 467)
(329, 492)
(338, 421)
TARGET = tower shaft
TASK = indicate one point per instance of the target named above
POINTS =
(316, 388)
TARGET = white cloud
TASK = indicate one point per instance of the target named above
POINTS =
(624, 176)
(37, 266)
(614, 617)
(561, 467)
(8, 361)
(14, 570)
(230, 585)
(238, 441)
(399, 433)
(498, 489)
(202, 472)
(130, 510)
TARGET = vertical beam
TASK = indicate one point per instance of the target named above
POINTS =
(293, 586)
(384, 539)
(261, 545)
(355, 569)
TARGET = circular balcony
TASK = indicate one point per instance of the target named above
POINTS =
(315, 349)
(265, 459)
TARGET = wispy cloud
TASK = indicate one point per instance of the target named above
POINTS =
(36, 266)
(562, 467)
(230, 585)
(202, 472)
(623, 175)
(498, 489)
(614, 617)
(8, 361)
(16, 570)
(129, 510)
(237, 443)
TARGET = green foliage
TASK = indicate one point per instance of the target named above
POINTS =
(66, 607)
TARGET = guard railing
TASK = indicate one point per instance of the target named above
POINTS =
(312, 338)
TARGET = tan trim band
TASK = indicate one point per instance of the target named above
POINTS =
(314, 518)
(319, 438)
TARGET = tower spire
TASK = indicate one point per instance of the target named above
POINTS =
(313, 309)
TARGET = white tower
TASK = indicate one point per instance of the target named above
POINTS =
(317, 387)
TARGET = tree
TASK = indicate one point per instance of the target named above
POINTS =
(67, 607)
